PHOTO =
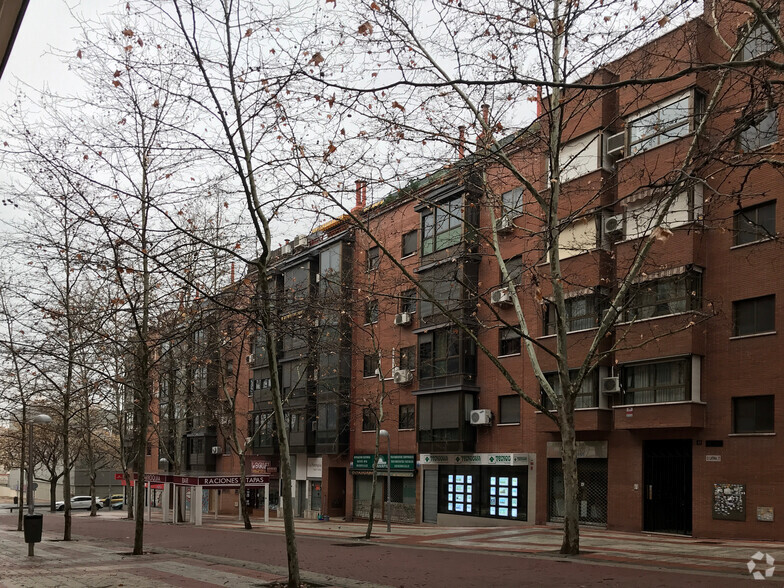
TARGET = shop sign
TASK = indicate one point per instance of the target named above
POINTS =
(314, 467)
(585, 449)
(206, 481)
(4, 479)
(398, 462)
(516, 459)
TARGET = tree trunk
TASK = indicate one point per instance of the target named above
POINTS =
(243, 501)
(52, 494)
(373, 491)
(571, 532)
(20, 518)
(94, 505)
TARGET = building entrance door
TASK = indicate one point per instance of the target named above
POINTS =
(430, 493)
(667, 486)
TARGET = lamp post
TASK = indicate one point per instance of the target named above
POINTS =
(33, 525)
(385, 433)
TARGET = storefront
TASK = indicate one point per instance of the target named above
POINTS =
(592, 480)
(462, 488)
(402, 468)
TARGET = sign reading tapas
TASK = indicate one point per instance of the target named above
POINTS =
(207, 481)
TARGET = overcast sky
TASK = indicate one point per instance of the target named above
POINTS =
(47, 24)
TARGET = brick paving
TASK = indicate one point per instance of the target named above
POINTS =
(93, 561)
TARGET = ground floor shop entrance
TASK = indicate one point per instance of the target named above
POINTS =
(667, 497)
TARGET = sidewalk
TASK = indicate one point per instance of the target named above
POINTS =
(106, 562)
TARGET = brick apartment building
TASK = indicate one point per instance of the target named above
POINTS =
(677, 422)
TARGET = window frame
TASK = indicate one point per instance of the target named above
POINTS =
(442, 225)
(432, 366)
(502, 418)
(407, 357)
(691, 282)
(407, 237)
(510, 343)
(759, 411)
(371, 312)
(663, 133)
(408, 418)
(657, 388)
(370, 365)
(736, 304)
(373, 258)
(369, 420)
(408, 301)
(592, 313)
(760, 232)
(760, 44)
(762, 131)
(512, 202)
(588, 390)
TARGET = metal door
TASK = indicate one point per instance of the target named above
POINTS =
(667, 486)
(430, 494)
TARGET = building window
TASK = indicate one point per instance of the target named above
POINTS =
(444, 285)
(663, 381)
(373, 258)
(762, 130)
(754, 316)
(581, 314)
(405, 417)
(663, 297)
(371, 311)
(755, 223)
(587, 397)
(408, 358)
(149, 448)
(509, 341)
(408, 301)
(229, 367)
(442, 227)
(370, 365)
(578, 237)
(410, 243)
(759, 40)
(752, 414)
(439, 354)
(509, 409)
(512, 202)
(642, 212)
(368, 420)
(580, 156)
(664, 122)
(514, 267)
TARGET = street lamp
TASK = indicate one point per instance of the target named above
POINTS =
(385, 433)
(33, 524)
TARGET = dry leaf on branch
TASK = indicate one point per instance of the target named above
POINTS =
(317, 59)
(365, 29)
(128, 33)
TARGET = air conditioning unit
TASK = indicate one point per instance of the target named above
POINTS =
(613, 226)
(501, 296)
(504, 224)
(403, 318)
(217, 450)
(249, 358)
(611, 385)
(483, 416)
(402, 376)
(616, 144)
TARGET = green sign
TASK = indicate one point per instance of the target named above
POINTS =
(398, 462)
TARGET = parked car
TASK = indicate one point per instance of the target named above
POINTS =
(79, 502)
(116, 501)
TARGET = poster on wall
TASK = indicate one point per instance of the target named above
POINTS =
(729, 502)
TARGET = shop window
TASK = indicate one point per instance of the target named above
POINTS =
(370, 365)
(410, 243)
(755, 223)
(509, 341)
(442, 226)
(762, 130)
(581, 314)
(403, 491)
(483, 491)
(509, 409)
(587, 397)
(369, 420)
(664, 122)
(662, 297)
(592, 493)
(752, 414)
(373, 258)
(371, 312)
(408, 301)
(512, 202)
(504, 496)
(754, 316)
(662, 381)
(406, 420)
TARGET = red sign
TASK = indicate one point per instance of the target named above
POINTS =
(119, 476)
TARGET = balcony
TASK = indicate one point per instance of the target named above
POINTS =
(585, 419)
(664, 415)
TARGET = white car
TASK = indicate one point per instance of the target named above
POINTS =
(78, 502)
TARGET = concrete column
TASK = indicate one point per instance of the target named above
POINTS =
(192, 517)
(217, 502)
(165, 502)
(196, 501)
(149, 501)
(176, 504)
